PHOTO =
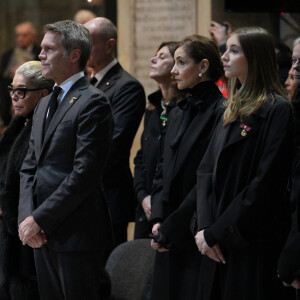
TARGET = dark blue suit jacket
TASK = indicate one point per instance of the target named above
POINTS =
(64, 169)
(127, 99)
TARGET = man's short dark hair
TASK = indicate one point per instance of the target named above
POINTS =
(73, 36)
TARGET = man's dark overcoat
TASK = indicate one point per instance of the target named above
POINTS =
(16, 261)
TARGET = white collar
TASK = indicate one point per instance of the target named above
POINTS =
(99, 76)
(68, 83)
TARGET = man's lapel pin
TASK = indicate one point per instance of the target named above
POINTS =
(72, 100)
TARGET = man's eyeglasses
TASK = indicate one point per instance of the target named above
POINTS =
(21, 91)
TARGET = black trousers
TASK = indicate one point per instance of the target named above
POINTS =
(68, 275)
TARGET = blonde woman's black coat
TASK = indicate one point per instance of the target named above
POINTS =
(16, 261)
(243, 204)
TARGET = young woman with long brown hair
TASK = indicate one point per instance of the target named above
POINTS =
(242, 200)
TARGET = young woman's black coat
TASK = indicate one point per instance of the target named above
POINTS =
(189, 131)
(17, 271)
(148, 158)
(243, 204)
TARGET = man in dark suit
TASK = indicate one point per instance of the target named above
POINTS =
(127, 99)
(25, 50)
(62, 207)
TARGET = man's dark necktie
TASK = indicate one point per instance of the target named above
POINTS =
(93, 80)
(52, 107)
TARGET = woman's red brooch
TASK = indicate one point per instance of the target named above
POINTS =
(245, 128)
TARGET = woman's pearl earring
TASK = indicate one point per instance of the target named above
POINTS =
(200, 74)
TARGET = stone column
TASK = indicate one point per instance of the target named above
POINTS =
(143, 25)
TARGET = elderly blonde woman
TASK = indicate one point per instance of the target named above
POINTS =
(17, 279)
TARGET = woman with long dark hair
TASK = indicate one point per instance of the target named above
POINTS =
(197, 67)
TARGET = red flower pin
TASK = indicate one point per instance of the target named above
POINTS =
(245, 129)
